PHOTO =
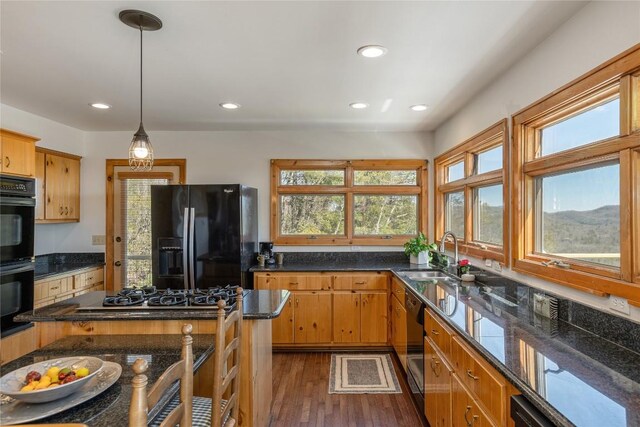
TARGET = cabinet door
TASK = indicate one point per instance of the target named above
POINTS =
(437, 378)
(373, 317)
(465, 411)
(55, 185)
(72, 190)
(282, 326)
(346, 317)
(399, 338)
(40, 187)
(18, 154)
(312, 317)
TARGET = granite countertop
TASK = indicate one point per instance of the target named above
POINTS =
(571, 375)
(585, 363)
(50, 265)
(257, 304)
(111, 408)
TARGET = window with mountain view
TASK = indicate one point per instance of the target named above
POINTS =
(472, 206)
(576, 178)
(342, 202)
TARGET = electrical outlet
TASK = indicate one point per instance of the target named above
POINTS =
(356, 248)
(98, 240)
(497, 266)
(487, 262)
(619, 304)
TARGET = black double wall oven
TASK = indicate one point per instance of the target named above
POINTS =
(17, 223)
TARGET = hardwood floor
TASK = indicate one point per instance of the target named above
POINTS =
(301, 397)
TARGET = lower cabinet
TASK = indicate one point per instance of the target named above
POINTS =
(360, 317)
(330, 309)
(465, 410)
(312, 317)
(437, 390)
(399, 330)
(49, 291)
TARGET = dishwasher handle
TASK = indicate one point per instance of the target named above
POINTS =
(415, 308)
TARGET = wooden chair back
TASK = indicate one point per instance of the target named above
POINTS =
(141, 400)
(228, 349)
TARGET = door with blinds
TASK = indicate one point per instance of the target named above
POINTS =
(131, 223)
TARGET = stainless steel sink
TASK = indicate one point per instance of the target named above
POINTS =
(425, 275)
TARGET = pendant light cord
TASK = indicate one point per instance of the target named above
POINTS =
(141, 18)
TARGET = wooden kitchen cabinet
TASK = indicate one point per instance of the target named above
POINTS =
(374, 317)
(465, 410)
(61, 287)
(57, 186)
(437, 386)
(399, 330)
(357, 314)
(360, 317)
(312, 317)
(282, 326)
(18, 345)
(346, 317)
(17, 153)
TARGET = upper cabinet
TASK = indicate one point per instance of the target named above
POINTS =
(18, 153)
(58, 186)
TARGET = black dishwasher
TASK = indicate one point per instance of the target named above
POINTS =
(415, 348)
(524, 414)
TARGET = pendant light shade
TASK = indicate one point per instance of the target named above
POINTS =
(140, 149)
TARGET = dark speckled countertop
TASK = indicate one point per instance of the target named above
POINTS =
(257, 305)
(581, 369)
(50, 265)
(111, 408)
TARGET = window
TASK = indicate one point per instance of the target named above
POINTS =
(335, 202)
(470, 194)
(576, 162)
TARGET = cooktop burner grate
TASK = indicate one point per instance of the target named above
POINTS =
(151, 297)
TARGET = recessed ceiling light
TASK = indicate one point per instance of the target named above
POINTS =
(100, 106)
(372, 51)
(230, 105)
(418, 107)
(358, 105)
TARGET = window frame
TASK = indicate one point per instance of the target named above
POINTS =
(492, 137)
(349, 190)
(620, 76)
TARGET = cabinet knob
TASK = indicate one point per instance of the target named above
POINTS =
(118, 263)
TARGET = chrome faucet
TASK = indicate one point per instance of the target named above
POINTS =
(455, 245)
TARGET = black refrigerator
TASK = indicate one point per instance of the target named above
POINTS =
(203, 235)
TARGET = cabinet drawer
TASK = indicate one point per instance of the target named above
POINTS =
(466, 411)
(438, 332)
(319, 282)
(398, 289)
(93, 277)
(487, 386)
(358, 282)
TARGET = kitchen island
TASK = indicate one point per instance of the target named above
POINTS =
(111, 407)
(70, 318)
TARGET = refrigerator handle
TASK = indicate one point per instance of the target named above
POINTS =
(185, 248)
(192, 261)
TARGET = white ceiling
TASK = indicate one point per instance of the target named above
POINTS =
(291, 65)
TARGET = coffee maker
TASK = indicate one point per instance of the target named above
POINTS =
(266, 249)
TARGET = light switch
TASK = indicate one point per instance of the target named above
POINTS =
(98, 240)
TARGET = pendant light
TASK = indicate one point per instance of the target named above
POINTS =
(140, 150)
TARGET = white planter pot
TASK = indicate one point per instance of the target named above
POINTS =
(422, 258)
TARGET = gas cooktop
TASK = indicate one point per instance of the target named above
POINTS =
(150, 298)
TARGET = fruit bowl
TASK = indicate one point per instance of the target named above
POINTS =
(12, 383)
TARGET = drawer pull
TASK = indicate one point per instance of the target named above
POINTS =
(473, 418)
(434, 332)
(7, 161)
(470, 375)
(293, 283)
(361, 283)
(435, 365)
(55, 288)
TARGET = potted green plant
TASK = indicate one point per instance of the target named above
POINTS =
(418, 249)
